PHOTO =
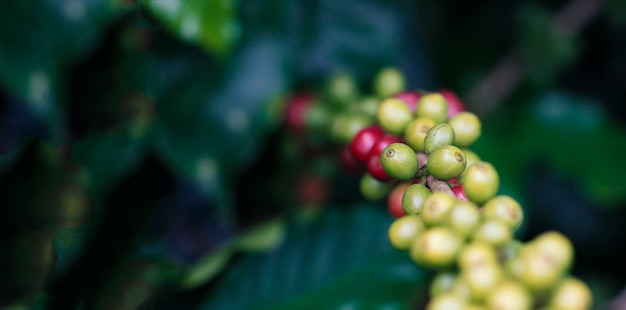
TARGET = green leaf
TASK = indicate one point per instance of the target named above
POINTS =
(211, 24)
(262, 237)
(341, 258)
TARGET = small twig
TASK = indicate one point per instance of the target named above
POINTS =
(438, 186)
(422, 159)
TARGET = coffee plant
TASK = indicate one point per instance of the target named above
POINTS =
(413, 150)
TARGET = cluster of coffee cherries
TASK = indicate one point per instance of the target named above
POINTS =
(412, 149)
(450, 218)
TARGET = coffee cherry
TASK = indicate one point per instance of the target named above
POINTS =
(394, 201)
(455, 105)
(382, 142)
(350, 164)
(362, 143)
(480, 182)
(459, 193)
(389, 82)
(410, 98)
(416, 131)
(467, 128)
(470, 157)
(373, 189)
(509, 295)
(436, 208)
(438, 136)
(493, 232)
(482, 279)
(442, 283)
(463, 218)
(345, 127)
(538, 272)
(433, 106)
(476, 254)
(555, 247)
(394, 115)
(367, 106)
(435, 248)
(447, 301)
(399, 161)
(413, 199)
(446, 162)
(376, 170)
(504, 208)
(341, 89)
(404, 231)
(296, 110)
(571, 294)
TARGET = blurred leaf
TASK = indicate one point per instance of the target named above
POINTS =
(211, 24)
(262, 237)
(340, 258)
(544, 48)
(37, 45)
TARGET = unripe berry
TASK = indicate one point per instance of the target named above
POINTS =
(504, 208)
(538, 272)
(399, 161)
(403, 231)
(446, 162)
(467, 128)
(438, 136)
(493, 232)
(463, 218)
(362, 143)
(482, 279)
(416, 132)
(341, 89)
(373, 189)
(480, 182)
(555, 247)
(345, 127)
(436, 208)
(509, 295)
(433, 106)
(410, 98)
(470, 157)
(477, 254)
(413, 199)
(436, 248)
(571, 294)
(442, 283)
(446, 301)
(389, 82)
(394, 115)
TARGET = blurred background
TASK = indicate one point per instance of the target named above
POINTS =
(145, 162)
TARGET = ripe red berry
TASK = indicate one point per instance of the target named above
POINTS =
(375, 168)
(394, 200)
(349, 163)
(296, 111)
(410, 98)
(382, 142)
(363, 141)
(459, 193)
(455, 105)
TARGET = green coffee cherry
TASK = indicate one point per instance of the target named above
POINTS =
(436, 208)
(537, 272)
(446, 301)
(463, 217)
(373, 189)
(438, 136)
(413, 199)
(433, 106)
(476, 254)
(482, 279)
(480, 182)
(504, 208)
(416, 131)
(389, 82)
(346, 126)
(555, 247)
(446, 162)
(399, 161)
(493, 232)
(571, 294)
(470, 157)
(442, 283)
(341, 89)
(435, 248)
(467, 128)
(509, 295)
(403, 231)
(394, 116)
